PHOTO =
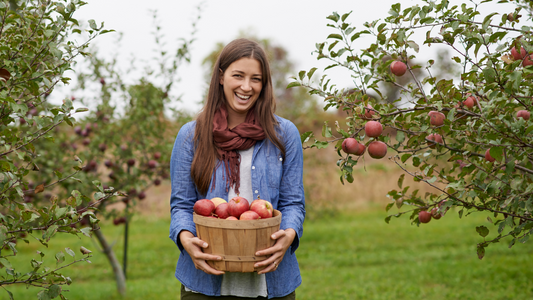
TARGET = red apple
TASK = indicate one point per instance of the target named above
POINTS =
(249, 215)
(152, 164)
(369, 112)
(238, 205)
(373, 129)
(470, 102)
(435, 214)
(231, 218)
(424, 216)
(398, 68)
(222, 210)
(436, 118)
(263, 208)
(524, 114)
(527, 61)
(488, 157)
(516, 55)
(204, 207)
(377, 149)
(157, 155)
(434, 137)
(352, 146)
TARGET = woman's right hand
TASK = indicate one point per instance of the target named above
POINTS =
(193, 245)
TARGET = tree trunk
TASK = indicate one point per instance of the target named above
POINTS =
(117, 270)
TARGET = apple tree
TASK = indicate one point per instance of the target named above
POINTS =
(40, 41)
(468, 136)
(126, 138)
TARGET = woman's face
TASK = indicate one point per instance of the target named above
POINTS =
(242, 82)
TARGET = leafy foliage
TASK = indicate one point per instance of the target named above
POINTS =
(36, 50)
(497, 82)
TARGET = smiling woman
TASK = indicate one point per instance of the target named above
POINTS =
(238, 146)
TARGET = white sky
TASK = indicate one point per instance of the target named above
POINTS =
(296, 25)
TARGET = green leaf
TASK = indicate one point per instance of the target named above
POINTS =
(400, 136)
(320, 144)
(334, 17)
(81, 109)
(345, 16)
(92, 24)
(60, 257)
(480, 251)
(482, 230)
(43, 295)
(406, 156)
(335, 36)
(301, 75)
(496, 153)
(50, 232)
(310, 73)
(70, 252)
(326, 130)
(54, 291)
(413, 45)
(10, 294)
(293, 84)
(400, 180)
(86, 231)
(490, 75)
(305, 136)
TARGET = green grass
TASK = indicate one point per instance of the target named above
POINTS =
(353, 255)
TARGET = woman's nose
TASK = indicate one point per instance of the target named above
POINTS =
(246, 87)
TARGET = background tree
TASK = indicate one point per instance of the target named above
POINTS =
(468, 137)
(36, 50)
(126, 139)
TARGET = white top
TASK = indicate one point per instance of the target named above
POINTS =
(252, 284)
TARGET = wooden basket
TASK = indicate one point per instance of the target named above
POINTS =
(236, 241)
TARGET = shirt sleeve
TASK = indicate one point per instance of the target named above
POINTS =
(291, 193)
(183, 194)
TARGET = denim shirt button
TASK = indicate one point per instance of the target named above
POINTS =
(256, 191)
(253, 167)
(280, 159)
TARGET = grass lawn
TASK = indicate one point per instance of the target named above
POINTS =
(351, 255)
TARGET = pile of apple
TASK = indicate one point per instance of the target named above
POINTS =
(237, 208)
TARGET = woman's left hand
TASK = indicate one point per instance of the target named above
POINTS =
(284, 239)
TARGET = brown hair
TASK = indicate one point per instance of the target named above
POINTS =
(205, 156)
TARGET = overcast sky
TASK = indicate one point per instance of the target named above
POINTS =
(296, 25)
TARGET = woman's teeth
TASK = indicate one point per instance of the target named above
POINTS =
(243, 97)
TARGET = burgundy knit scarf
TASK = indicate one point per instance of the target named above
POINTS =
(228, 141)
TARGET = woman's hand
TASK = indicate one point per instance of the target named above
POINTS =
(284, 239)
(193, 245)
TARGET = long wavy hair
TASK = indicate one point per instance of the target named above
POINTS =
(206, 156)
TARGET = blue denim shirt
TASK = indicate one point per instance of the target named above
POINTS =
(274, 178)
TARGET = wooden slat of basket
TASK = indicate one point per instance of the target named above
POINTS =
(248, 248)
(217, 243)
(232, 244)
(243, 258)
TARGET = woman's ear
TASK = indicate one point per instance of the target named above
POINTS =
(221, 74)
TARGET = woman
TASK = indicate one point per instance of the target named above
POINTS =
(237, 145)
